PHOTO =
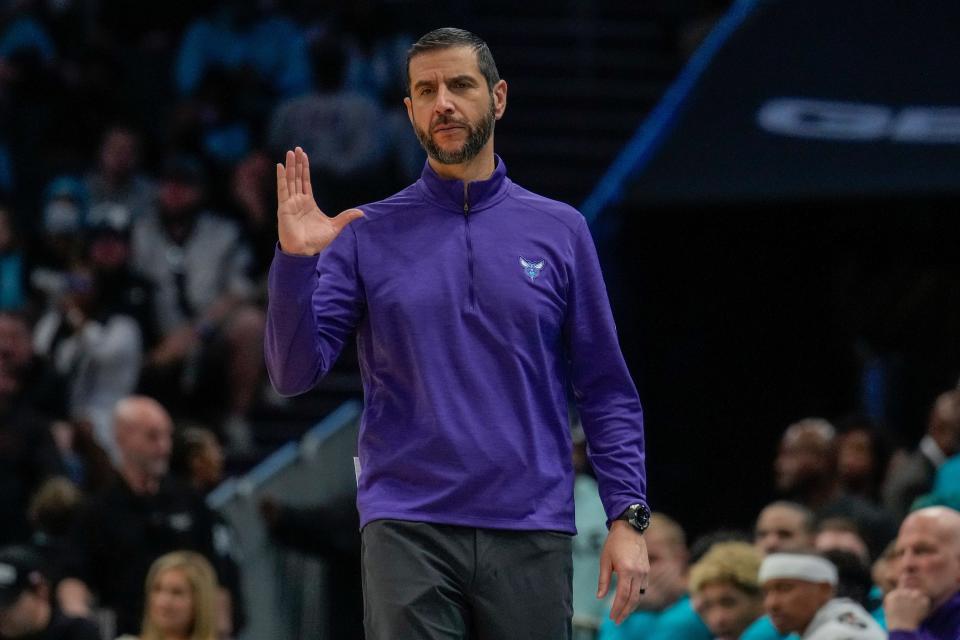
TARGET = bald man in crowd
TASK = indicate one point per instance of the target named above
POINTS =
(925, 605)
(799, 595)
(144, 514)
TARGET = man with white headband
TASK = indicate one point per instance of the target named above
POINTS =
(798, 595)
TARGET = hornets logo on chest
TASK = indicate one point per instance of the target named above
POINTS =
(531, 268)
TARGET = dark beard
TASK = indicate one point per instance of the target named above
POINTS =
(476, 138)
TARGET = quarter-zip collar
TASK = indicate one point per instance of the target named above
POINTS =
(457, 197)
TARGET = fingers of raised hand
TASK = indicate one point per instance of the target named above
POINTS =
(291, 173)
(282, 193)
(307, 187)
(300, 156)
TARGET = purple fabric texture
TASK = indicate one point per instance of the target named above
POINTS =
(475, 306)
(942, 624)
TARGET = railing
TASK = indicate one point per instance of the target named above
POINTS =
(283, 589)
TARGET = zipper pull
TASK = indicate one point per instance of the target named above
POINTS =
(466, 198)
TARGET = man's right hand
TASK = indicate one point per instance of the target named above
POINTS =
(905, 609)
(303, 228)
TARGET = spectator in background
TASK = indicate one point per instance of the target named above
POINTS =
(333, 125)
(143, 515)
(915, 476)
(22, 31)
(925, 605)
(52, 514)
(799, 594)
(28, 454)
(841, 533)
(197, 458)
(375, 52)
(60, 241)
(199, 267)
(12, 269)
(27, 381)
(241, 35)
(724, 589)
(181, 600)
(108, 255)
(26, 608)
(665, 611)
(219, 119)
(784, 526)
(28, 57)
(119, 193)
(853, 576)
(96, 347)
(884, 576)
(253, 194)
(862, 458)
(806, 471)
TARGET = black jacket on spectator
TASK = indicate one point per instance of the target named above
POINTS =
(63, 627)
(119, 534)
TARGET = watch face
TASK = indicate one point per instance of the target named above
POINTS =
(639, 517)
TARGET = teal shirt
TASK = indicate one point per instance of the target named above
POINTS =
(763, 629)
(947, 480)
(677, 622)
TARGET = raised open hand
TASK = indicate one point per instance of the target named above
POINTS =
(303, 228)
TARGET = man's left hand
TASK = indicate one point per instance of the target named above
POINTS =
(625, 553)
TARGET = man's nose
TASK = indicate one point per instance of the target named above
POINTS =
(443, 104)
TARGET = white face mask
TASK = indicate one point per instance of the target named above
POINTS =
(61, 216)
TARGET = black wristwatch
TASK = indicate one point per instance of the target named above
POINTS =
(637, 516)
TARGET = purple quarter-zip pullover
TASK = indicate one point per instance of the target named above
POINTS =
(475, 304)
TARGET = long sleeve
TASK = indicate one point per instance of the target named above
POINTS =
(314, 305)
(604, 391)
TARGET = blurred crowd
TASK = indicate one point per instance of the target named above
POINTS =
(136, 228)
(137, 188)
(863, 540)
(137, 224)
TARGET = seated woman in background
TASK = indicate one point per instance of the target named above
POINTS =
(181, 594)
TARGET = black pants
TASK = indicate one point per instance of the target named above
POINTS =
(430, 582)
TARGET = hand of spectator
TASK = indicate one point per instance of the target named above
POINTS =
(624, 553)
(905, 608)
(302, 227)
(74, 598)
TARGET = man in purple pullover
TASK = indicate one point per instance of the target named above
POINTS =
(476, 305)
(925, 605)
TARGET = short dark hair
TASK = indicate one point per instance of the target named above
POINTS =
(448, 37)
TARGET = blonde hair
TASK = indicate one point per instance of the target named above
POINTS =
(736, 563)
(203, 589)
